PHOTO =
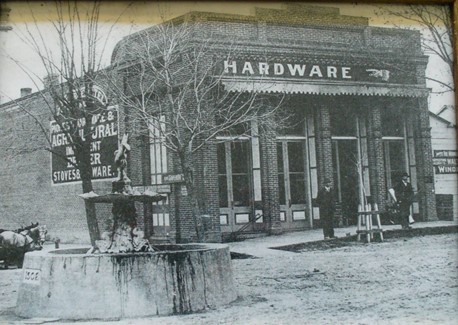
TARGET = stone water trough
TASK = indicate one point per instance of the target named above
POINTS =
(175, 279)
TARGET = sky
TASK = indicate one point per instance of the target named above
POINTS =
(20, 67)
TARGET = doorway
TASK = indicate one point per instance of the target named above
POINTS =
(346, 159)
(292, 183)
(235, 186)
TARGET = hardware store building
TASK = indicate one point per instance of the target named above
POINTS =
(357, 95)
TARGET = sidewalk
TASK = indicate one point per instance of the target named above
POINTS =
(259, 247)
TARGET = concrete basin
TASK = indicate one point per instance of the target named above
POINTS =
(176, 279)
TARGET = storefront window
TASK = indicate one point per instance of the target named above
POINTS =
(222, 176)
(234, 173)
(395, 164)
(240, 173)
(281, 175)
(158, 152)
(296, 172)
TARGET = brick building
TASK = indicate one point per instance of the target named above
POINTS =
(358, 99)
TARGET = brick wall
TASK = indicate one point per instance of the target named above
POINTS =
(269, 181)
(423, 154)
(27, 193)
(375, 153)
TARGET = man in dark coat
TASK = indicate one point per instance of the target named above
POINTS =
(325, 201)
(404, 199)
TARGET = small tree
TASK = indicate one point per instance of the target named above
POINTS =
(173, 75)
(69, 94)
(437, 36)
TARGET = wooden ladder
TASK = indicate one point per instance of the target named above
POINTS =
(365, 222)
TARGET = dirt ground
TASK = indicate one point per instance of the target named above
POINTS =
(400, 281)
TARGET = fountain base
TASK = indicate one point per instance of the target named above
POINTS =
(175, 279)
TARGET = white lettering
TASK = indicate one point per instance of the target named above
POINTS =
(263, 68)
(95, 145)
(59, 140)
(247, 67)
(69, 151)
(95, 158)
(279, 69)
(72, 160)
(81, 122)
(299, 69)
(332, 72)
(101, 171)
(81, 133)
(104, 130)
(345, 73)
(66, 175)
(232, 65)
(315, 71)
(55, 128)
(447, 169)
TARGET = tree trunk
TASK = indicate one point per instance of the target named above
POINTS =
(91, 218)
(86, 177)
(187, 164)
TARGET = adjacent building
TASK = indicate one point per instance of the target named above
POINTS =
(445, 156)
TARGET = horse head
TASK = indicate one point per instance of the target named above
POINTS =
(37, 233)
(32, 225)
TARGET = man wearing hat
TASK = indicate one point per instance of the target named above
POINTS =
(325, 201)
(404, 197)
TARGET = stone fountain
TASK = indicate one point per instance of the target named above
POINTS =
(124, 276)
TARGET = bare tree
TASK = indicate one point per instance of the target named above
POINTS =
(437, 37)
(173, 83)
(70, 95)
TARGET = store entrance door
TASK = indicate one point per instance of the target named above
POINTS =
(292, 183)
(346, 179)
(235, 189)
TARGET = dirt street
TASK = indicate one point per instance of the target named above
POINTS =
(400, 281)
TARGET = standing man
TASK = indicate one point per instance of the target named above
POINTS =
(326, 203)
(404, 198)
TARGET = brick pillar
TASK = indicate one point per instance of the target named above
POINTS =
(324, 144)
(208, 175)
(181, 222)
(423, 154)
(324, 148)
(376, 155)
(269, 180)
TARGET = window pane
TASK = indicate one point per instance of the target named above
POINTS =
(221, 152)
(281, 188)
(223, 191)
(241, 190)
(296, 156)
(239, 155)
(280, 157)
(297, 188)
(397, 164)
